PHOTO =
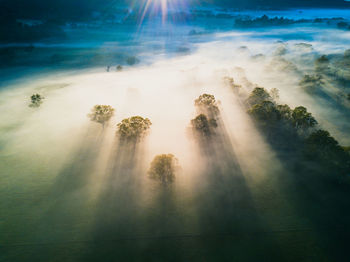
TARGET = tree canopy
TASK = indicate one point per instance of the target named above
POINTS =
(258, 95)
(36, 100)
(231, 83)
(208, 104)
(303, 119)
(322, 64)
(203, 125)
(133, 128)
(312, 83)
(323, 148)
(269, 114)
(101, 113)
(265, 112)
(284, 111)
(163, 168)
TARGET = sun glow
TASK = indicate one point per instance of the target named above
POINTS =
(160, 7)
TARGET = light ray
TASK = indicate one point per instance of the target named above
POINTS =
(164, 8)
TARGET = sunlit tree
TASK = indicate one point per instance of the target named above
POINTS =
(265, 112)
(101, 114)
(203, 125)
(208, 104)
(231, 83)
(133, 129)
(258, 95)
(36, 100)
(302, 119)
(163, 168)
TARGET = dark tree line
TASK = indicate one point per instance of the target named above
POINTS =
(296, 132)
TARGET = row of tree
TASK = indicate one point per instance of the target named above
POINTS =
(332, 72)
(297, 132)
(131, 131)
(285, 128)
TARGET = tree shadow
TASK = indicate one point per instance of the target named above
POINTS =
(118, 216)
(320, 201)
(77, 173)
(66, 208)
(225, 207)
(164, 220)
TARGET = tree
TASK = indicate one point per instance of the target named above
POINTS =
(285, 112)
(133, 129)
(203, 125)
(119, 68)
(275, 94)
(322, 64)
(231, 83)
(347, 54)
(265, 112)
(208, 104)
(302, 119)
(321, 146)
(101, 114)
(343, 25)
(36, 100)
(258, 95)
(132, 60)
(163, 168)
(311, 83)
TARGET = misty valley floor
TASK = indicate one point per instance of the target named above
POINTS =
(71, 190)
